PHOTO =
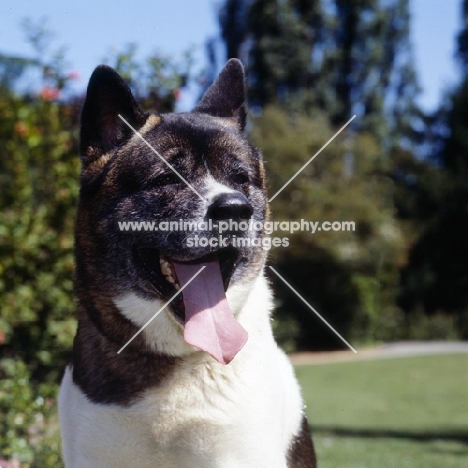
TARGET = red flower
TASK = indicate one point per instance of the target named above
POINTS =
(73, 75)
(22, 130)
(49, 94)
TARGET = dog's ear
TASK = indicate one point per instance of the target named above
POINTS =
(101, 128)
(226, 97)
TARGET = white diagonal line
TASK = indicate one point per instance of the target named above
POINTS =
(161, 309)
(160, 157)
(312, 158)
(312, 309)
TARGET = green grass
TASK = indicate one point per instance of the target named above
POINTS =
(391, 413)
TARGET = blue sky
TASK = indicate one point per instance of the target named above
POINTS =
(91, 29)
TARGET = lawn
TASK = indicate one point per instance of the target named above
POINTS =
(391, 413)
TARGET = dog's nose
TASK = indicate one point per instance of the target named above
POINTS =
(233, 206)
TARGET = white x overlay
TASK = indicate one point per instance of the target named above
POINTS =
(161, 309)
(271, 199)
(160, 157)
(312, 309)
(312, 158)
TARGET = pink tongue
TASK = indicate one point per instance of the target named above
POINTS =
(209, 323)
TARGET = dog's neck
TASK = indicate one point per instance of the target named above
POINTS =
(106, 376)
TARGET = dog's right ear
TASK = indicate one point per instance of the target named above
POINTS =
(226, 97)
(101, 128)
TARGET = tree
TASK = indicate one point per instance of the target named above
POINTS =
(436, 278)
(374, 74)
(157, 80)
(233, 25)
(463, 40)
(320, 62)
(349, 276)
(276, 40)
(337, 57)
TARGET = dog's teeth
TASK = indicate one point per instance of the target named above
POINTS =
(166, 269)
(167, 272)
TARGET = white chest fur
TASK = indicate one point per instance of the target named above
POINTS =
(205, 415)
(186, 423)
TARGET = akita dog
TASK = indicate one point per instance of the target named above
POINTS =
(204, 384)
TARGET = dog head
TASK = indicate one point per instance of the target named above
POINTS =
(193, 179)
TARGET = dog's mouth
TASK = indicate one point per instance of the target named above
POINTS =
(159, 269)
(201, 306)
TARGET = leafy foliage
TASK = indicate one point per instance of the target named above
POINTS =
(156, 80)
(436, 277)
(311, 66)
(39, 190)
(347, 275)
(39, 187)
(28, 416)
(334, 56)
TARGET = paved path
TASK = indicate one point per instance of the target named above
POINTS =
(391, 350)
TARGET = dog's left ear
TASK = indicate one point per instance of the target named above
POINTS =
(226, 97)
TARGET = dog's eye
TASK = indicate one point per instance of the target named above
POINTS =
(241, 178)
(166, 179)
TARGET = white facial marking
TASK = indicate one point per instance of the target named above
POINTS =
(213, 188)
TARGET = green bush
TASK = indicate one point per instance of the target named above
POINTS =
(39, 189)
(28, 418)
